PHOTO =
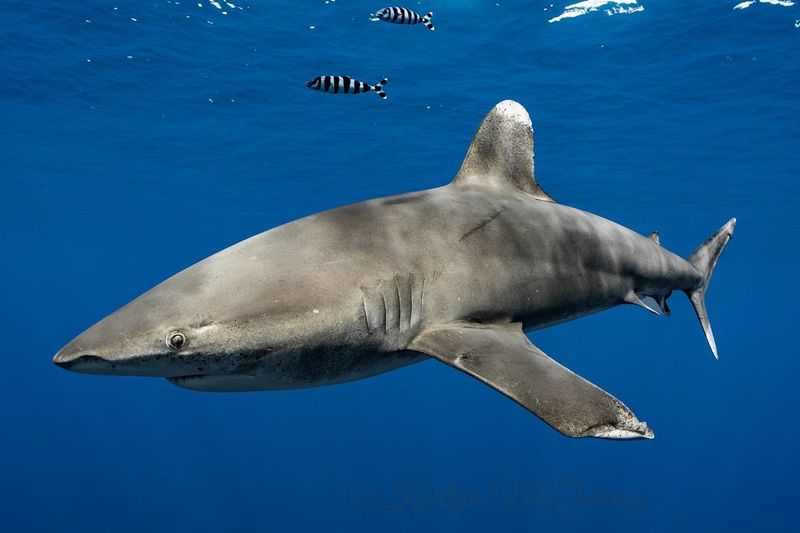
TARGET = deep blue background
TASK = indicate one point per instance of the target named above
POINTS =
(118, 171)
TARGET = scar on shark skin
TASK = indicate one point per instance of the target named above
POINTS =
(481, 225)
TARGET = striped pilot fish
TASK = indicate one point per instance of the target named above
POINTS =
(401, 15)
(345, 84)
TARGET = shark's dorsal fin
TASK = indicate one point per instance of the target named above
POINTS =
(655, 237)
(501, 154)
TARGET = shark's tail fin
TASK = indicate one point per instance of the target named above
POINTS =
(427, 21)
(704, 259)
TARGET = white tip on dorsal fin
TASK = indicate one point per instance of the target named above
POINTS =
(655, 238)
(501, 154)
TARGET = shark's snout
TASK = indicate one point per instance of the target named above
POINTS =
(67, 355)
(74, 357)
(83, 363)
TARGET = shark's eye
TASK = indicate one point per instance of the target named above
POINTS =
(175, 340)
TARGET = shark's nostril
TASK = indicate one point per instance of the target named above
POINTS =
(72, 360)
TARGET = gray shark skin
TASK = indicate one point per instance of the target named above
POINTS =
(457, 273)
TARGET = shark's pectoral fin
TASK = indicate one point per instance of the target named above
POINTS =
(502, 357)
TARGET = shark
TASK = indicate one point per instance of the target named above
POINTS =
(459, 273)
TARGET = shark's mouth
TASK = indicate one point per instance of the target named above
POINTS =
(188, 378)
(218, 382)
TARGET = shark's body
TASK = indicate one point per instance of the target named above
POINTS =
(456, 273)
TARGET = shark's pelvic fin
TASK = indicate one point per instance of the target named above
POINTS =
(704, 259)
(502, 357)
(633, 298)
(655, 237)
(501, 154)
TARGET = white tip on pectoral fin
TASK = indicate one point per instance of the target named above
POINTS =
(609, 432)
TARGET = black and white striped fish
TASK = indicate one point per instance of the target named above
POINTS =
(345, 84)
(401, 15)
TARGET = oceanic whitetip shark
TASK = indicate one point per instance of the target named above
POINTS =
(458, 273)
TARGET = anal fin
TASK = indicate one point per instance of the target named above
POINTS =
(662, 303)
(502, 357)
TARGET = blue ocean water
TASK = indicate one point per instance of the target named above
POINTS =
(139, 138)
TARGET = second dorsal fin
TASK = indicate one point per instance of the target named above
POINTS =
(501, 154)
